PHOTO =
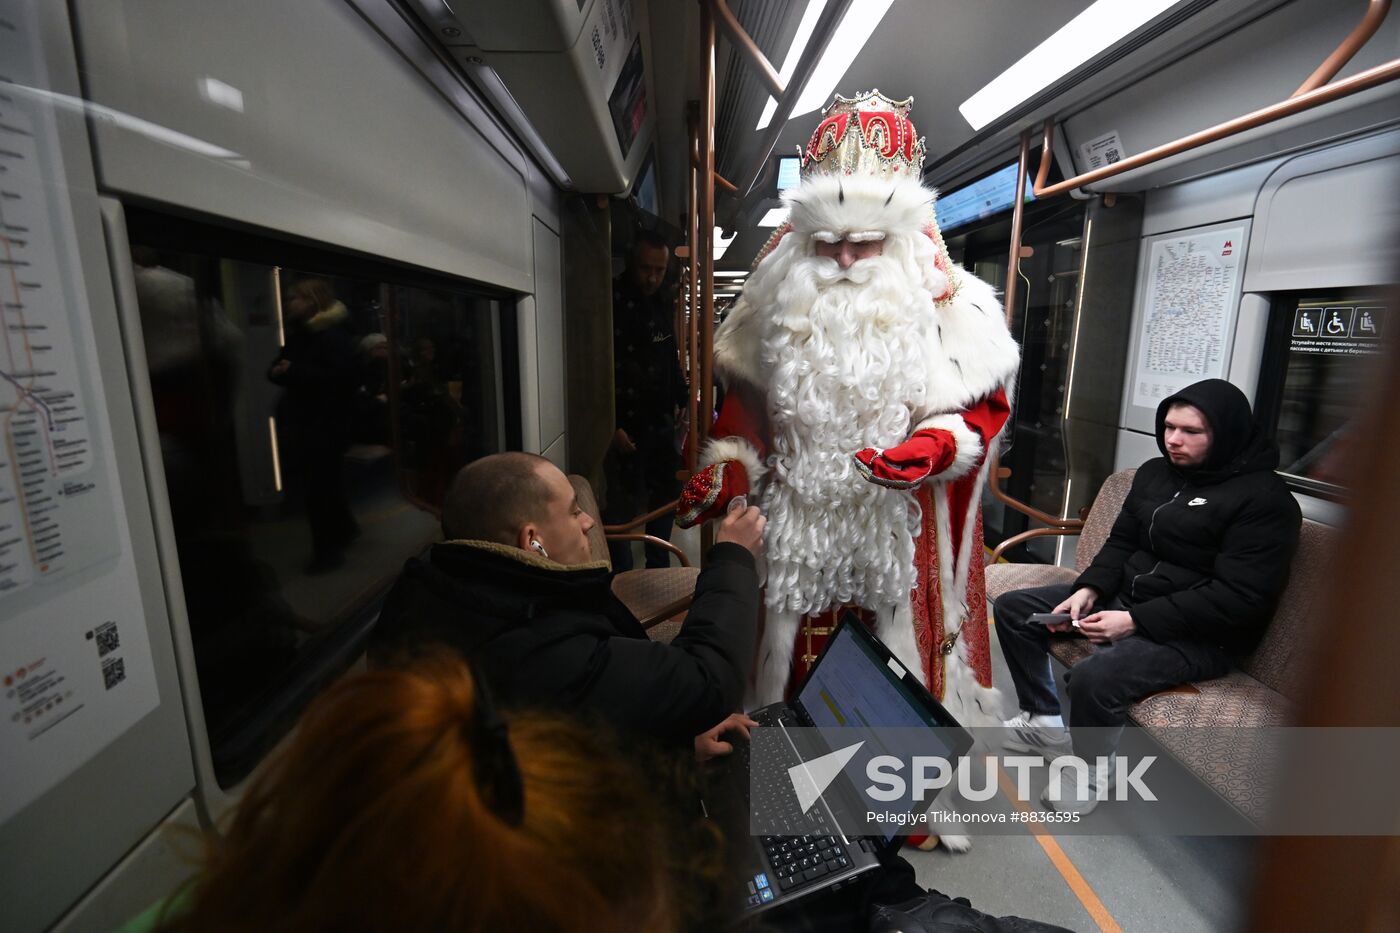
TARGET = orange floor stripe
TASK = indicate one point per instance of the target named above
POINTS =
(1097, 911)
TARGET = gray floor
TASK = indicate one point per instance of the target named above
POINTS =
(1148, 884)
(1145, 884)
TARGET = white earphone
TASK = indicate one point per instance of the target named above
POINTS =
(539, 548)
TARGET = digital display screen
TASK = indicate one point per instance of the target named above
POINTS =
(789, 173)
(982, 198)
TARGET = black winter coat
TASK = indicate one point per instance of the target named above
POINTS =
(554, 637)
(1202, 555)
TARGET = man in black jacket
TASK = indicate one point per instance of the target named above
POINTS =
(514, 590)
(649, 388)
(1187, 580)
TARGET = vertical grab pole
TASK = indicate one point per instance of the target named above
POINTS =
(693, 311)
(1013, 275)
(706, 306)
(1018, 211)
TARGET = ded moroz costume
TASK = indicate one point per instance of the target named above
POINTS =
(861, 407)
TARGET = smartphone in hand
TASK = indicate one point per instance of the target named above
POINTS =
(1051, 618)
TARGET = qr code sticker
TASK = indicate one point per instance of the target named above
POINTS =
(107, 639)
(1112, 155)
(113, 672)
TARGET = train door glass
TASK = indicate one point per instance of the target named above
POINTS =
(1042, 323)
(309, 424)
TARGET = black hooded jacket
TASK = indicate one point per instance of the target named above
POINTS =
(1202, 554)
(554, 637)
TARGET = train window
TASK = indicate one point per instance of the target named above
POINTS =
(1322, 348)
(310, 421)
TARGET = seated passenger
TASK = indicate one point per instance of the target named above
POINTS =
(1187, 580)
(405, 803)
(514, 590)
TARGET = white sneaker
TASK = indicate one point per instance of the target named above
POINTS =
(1076, 797)
(1026, 736)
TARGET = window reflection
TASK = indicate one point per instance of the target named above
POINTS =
(309, 424)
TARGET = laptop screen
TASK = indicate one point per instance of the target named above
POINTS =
(854, 688)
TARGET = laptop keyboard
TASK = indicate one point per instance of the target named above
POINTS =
(793, 861)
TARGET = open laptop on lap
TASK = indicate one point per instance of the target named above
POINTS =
(855, 688)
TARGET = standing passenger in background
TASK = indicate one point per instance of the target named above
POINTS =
(316, 414)
(649, 388)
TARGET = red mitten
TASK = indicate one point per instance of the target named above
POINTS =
(907, 465)
(709, 491)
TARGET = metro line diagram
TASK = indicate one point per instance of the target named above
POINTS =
(46, 438)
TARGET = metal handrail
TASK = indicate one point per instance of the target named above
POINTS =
(655, 541)
(749, 49)
(1375, 15)
(1314, 92)
(1024, 536)
(1308, 96)
(633, 522)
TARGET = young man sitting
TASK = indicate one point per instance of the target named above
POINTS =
(1187, 580)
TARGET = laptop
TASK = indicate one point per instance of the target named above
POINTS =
(856, 686)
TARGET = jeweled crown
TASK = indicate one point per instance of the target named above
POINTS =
(869, 134)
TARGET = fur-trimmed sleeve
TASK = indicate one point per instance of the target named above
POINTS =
(972, 430)
(740, 433)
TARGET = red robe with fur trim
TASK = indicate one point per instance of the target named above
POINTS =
(971, 376)
(950, 512)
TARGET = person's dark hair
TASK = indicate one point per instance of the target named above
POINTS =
(491, 498)
(650, 239)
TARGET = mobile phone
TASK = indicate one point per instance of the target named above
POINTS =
(1049, 618)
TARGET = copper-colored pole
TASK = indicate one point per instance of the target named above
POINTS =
(745, 44)
(693, 310)
(1009, 543)
(1047, 142)
(1375, 15)
(831, 16)
(726, 184)
(1018, 213)
(1013, 268)
(705, 306)
(1369, 78)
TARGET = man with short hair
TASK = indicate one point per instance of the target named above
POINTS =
(1186, 582)
(648, 388)
(514, 590)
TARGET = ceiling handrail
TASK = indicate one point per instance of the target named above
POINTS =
(1303, 99)
(822, 33)
(1375, 15)
(749, 49)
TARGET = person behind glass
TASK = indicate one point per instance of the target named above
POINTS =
(316, 367)
(406, 802)
(515, 590)
(641, 464)
(1186, 582)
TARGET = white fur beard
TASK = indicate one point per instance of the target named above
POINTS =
(846, 370)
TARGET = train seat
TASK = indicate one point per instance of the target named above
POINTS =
(658, 597)
(1205, 725)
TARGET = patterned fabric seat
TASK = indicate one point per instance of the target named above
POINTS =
(658, 597)
(1206, 725)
